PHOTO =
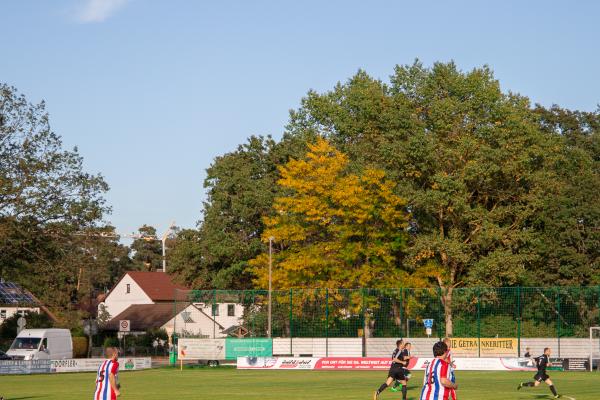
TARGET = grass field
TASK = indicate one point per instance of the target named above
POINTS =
(228, 383)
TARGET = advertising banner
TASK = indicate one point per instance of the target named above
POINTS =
(201, 349)
(92, 364)
(253, 347)
(371, 363)
(489, 346)
(10, 367)
(296, 363)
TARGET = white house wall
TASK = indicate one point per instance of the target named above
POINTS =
(202, 326)
(7, 311)
(118, 299)
(223, 319)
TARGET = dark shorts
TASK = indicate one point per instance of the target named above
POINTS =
(541, 376)
(396, 373)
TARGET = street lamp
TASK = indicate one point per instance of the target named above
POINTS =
(270, 285)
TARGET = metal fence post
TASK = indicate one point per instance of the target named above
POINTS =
(518, 321)
(558, 319)
(214, 314)
(400, 311)
(291, 321)
(439, 316)
(364, 323)
(478, 324)
(175, 312)
(326, 322)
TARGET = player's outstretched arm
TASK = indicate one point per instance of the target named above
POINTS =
(448, 383)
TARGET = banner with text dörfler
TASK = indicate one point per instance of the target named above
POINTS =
(473, 347)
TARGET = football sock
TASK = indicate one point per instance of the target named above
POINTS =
(553, 390)
(404, 391)
(382, 388)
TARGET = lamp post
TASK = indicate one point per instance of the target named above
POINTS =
(270, 284)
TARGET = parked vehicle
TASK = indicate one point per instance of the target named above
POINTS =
(42, 344)
(4, 356)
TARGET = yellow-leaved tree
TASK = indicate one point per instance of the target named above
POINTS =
(334, 228)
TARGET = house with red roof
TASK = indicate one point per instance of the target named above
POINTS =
(149, 300)
(141, 287)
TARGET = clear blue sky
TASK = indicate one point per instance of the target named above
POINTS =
(151, 91)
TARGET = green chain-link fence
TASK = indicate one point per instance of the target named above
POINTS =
(552, 312)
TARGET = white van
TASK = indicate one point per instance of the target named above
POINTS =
(42, 344)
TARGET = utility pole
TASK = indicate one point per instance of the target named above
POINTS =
(162, 239)
(269, 322)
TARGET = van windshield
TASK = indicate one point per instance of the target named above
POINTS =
(25, 343)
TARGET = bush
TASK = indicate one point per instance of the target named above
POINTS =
(110, 342)
(80, 347)
(8, 330)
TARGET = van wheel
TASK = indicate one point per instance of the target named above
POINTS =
(213, 363)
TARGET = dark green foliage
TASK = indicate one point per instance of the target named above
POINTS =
(147, 250)
(8, 329)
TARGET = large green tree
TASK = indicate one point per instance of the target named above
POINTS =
(240, 189)
(476, 166)
(45, 198)
(500, 192)
(570, 221)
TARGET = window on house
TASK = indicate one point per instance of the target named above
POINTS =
(128, 290)
(2, 314)
(230, 310)
(187, 317)
(215, 310)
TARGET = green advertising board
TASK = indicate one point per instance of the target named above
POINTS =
(255, 347)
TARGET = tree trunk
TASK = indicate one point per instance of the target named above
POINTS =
(369, 324)
(447, 301)
(396, 313)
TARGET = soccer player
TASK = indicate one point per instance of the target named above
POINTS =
(107, 387)
(396, 372)
(542, 362)
(405, 356)
(436, 383)
(450, 359)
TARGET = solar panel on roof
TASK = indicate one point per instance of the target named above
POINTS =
(11, 293)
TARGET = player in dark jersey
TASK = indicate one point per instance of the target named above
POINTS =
(542, 362)
(404, 356)
(396, 371)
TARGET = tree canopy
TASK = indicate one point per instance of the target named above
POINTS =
(499, 192)
(334, 229)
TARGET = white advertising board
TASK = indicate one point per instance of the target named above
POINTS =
(201, 349)
(92, 364)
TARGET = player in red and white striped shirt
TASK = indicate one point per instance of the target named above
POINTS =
(450, 360)
(437, 383)
(107, 387)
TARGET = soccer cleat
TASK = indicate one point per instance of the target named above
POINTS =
(375, 396)
(558, 396)
(520, 386)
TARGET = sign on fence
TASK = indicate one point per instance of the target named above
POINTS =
(255, 347)
(24, 367)
(369, 363)
(489, 346)
(201, 349)
(92, 364)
